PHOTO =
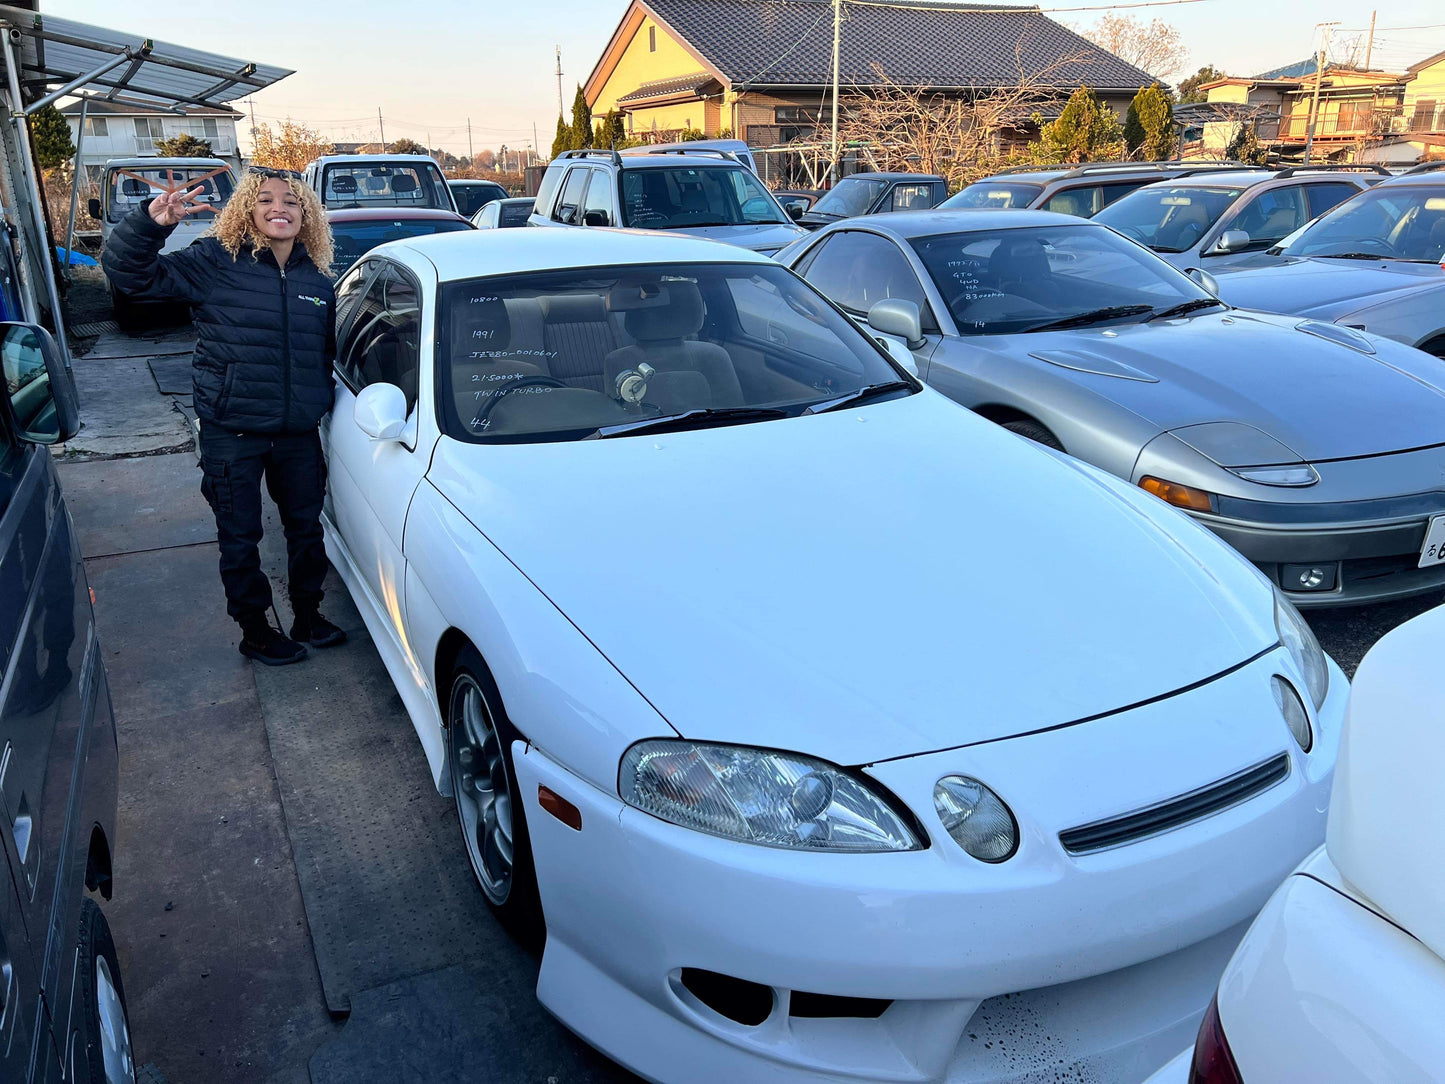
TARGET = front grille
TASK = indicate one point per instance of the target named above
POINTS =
(1166, 816)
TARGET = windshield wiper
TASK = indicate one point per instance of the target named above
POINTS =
(1355, 256)
(859, 396)
(691, 419)
(1184, 306)
(700, 225)
(1094, 316)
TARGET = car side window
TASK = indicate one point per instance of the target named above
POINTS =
(349, 290)
(1272, 215)
(912, 197)
(1083, 202)
(569, 204)
(598, 200)
(383, 344)
(1322, 197)
(857, 270)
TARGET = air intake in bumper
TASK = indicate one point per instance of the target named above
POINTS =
(1152, 820)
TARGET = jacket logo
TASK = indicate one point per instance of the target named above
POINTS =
(313, 300)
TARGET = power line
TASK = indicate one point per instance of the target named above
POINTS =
(1026, 11)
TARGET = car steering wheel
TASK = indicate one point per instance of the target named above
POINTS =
(479, 422)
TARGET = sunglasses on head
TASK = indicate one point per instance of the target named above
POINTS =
(267, 171)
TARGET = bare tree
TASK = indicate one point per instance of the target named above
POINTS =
(959, 134)
(293, 147)
(1155, 46)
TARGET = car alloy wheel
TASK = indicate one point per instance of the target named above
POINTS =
(482, 789)
(114, 1032)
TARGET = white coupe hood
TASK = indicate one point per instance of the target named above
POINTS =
(864, 584)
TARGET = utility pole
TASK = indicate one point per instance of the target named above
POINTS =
(560, 111)
(382, 125)
(1319, 78)
(1370, 41)
(469, 141)
(837, 34)
(536, 147)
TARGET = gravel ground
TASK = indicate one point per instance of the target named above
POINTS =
(1348, 633)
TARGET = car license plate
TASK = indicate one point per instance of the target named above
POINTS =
(1433, 551)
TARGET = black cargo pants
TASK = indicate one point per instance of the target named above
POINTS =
(232, 466)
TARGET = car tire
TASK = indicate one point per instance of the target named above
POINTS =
(488, 804)
(105, 1030)
(1032, 430)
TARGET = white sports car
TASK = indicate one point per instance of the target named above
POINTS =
(838, 733)
(1341, 979)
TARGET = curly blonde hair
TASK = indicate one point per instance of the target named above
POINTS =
(236, 225)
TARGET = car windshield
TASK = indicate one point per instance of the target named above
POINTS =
(564, 355)
(850, 196)
(1026, 279)
(355, 239)
(132, 186)
(686, 197)
(385, 185)
(472, 196)
(994, 194)
(1393, 222)
(1168, 219)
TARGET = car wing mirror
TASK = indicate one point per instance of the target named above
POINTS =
(41, 391)
(1203, 278)
(795, 211)
(898, 316)
(1384, 833)
(597, 218)
(380, 412)
(1231, 241)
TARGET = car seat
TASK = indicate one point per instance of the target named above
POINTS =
(577, 338)
(404, 184)
(1185, 227)
(1020, 266)
(660, 318)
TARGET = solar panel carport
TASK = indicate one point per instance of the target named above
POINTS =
(47, 58)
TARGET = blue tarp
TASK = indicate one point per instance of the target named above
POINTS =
(77, 258)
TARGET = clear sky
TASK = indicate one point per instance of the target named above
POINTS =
(429, 65)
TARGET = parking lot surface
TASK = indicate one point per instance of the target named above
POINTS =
(292, 900)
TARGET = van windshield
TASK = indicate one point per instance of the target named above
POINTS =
(383, 184)
(680, 198)
(128, 188)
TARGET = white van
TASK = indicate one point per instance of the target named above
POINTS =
(380, 180)
(129, 182)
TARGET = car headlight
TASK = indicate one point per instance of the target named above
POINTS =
(1299, 640)
(759, 796)
(1296, 476)
(976, 818)
(1293, 710)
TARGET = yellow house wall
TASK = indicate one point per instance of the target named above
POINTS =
(638, 65)
(1228, 93)
(1428, 85)
(664, 118)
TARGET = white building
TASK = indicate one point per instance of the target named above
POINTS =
(116, 130)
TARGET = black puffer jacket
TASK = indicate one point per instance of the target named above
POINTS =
(265, 338)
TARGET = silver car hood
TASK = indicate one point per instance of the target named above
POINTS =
(1321, 399)
(1323, 288)
(765, 237)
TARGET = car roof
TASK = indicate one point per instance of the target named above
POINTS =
(891, 175)
(473, 180)
(1435, 179)
(164, 163)
(392, 214)
(472, 253)
(348, 159)
(907, 224)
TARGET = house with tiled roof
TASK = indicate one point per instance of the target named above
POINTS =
(761, 69)
(132, 130)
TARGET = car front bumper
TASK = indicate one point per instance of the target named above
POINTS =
(1101, 961)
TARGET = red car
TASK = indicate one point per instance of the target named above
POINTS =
(358, 231)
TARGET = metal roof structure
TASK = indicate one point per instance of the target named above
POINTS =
(61, 56)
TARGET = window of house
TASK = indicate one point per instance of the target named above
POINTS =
(1423, 119)
(652, 39)
(149, 128)
(210, 128)
(95, 126)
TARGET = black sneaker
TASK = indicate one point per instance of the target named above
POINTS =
(266, 645)
(311, 628)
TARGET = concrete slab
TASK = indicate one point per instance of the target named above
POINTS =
(130, 505)
(121, 413)
(172, 374)
(456, 1026)
(112, 345)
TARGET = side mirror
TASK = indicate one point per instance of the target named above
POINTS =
(93, 206)
(897, 316)
(1385, 834)
(42, 394)
(795, 211)
(380, 412)
(1231, 241)
(596, 218)
(1203, 278)
(899, 353)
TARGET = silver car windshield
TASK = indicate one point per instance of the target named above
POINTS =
(1168, 219)
(565, 355)
(681, 198)
(131, 187)
(850, 196)
(994, 194)
(1029, 279)
(1394, 222)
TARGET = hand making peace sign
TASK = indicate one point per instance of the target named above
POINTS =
(175, 202)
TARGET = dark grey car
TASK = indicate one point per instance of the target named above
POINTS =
(62, 1009)
(875, 194)
(1314, 449)
(1083, 190)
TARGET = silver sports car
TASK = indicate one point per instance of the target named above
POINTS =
(1316, 450)
(1372, 263)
